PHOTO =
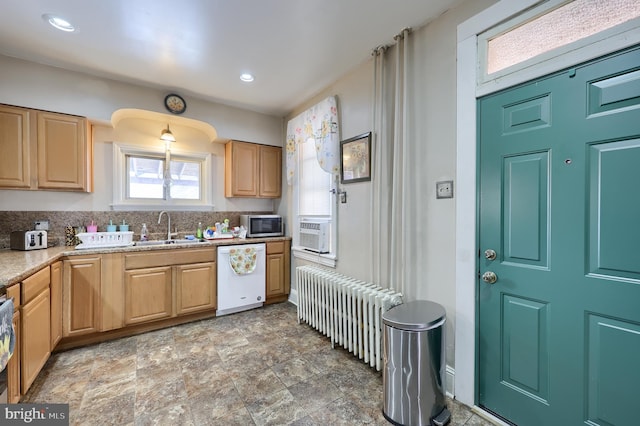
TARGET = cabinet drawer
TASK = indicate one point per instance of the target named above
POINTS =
(34, 285)
(168, 258)
(275, 247)
(14, 291)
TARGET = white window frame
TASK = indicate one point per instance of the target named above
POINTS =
(120, 200)
(327, 259)
(548, 62)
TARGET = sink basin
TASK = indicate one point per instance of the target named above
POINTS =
(165, 242)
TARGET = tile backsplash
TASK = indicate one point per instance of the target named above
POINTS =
(186, 222)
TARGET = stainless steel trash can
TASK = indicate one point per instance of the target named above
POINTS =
(414, 364)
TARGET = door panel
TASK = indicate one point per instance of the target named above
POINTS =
(612, 387)
(614, 93)
(528, 114)
(525, 204)
(525, 355)
(559, 331)
(614, 170)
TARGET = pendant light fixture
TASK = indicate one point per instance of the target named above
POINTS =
(167, 136)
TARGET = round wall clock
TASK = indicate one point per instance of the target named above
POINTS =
(175, 103)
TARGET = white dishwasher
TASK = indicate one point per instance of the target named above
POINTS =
(241, 277)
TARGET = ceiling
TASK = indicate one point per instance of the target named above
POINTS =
(199, 48)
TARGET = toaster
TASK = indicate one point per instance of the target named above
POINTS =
(28, 240)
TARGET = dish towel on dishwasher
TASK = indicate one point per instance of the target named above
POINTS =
(243, 260)
(7, 334)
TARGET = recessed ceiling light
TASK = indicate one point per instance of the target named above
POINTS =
(58, 22)
(246, 77)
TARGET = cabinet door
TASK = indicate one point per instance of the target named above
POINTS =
(56, 303)
(241, 169)
(36, 337)
(15, 166)
(13, 367)
(270, 183)
(64, 152)
(81, 299)
(275, 275)
(112, 292)
(278, 271)
(148, 295)
(195, 287)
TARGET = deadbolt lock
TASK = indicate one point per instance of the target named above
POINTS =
(490, 254)
(489, 277)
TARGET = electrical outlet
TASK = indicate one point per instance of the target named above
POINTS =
(41, 225)
(343, 197)
(444, 189)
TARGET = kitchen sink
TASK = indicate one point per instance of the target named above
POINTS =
(165, 242)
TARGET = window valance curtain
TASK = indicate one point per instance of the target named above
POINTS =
(319, 123)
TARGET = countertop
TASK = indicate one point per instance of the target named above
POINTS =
(16, 265)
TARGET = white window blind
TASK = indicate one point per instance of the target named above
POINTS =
(314, 183)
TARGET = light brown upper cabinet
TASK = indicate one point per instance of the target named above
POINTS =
(44, 150)
(64, 152)
(15, 147)
(252, 170)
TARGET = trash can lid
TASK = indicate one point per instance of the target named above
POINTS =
(415, 316)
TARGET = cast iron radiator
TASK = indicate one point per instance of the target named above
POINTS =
(347, 310)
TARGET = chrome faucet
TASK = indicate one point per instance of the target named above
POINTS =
(168, 223)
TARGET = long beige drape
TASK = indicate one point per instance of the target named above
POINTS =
(391, 201)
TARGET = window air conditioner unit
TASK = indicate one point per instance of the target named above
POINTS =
(314, 236)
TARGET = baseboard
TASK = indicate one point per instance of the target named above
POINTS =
(293, 296)
(449, 381)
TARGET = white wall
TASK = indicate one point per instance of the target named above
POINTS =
(43, 87)
(432, 116)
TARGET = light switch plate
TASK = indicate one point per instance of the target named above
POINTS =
(444, 189)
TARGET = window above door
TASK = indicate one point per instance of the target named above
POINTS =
(548, 31)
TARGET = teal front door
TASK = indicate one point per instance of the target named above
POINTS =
(559, 203)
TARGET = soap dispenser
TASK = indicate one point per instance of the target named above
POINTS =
(144, 234)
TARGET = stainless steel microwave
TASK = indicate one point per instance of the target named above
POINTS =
(263, 225)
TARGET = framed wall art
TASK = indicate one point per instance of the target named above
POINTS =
(355, 159)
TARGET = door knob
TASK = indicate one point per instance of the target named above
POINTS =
(490, 254)
(489, 277)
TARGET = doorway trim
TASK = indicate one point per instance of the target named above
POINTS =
(466, 167)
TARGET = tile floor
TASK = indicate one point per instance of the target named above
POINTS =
(258, 367)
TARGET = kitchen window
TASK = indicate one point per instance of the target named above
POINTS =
(150, 178)
(313, 201)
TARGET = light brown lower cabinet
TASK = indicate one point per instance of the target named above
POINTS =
(56, 303)
(148, 295)
(35, 337)
(195, 287)
(81, 298)
(150, 292)
(165, 284)
(278, 271)
(13, 367)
